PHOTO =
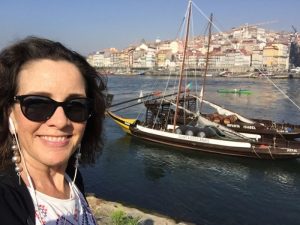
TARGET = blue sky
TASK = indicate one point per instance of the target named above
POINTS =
(87, 26)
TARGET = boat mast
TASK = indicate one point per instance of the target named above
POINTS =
(206, 60)
(182, 63)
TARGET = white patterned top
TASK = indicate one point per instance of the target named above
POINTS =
(54, 211)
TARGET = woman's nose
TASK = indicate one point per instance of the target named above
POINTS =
(59, 118)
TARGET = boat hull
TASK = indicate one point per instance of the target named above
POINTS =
(124, 123)
(260, 151)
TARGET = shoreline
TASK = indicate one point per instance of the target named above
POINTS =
(276, 76)
(102, 210)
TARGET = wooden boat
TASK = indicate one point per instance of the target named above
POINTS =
(208, 139)
(164, 125)
(262, 128)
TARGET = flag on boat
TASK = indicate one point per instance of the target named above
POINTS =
(201, 95)
(188, 87)
(140, 97)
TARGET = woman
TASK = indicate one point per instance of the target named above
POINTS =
(52, 109)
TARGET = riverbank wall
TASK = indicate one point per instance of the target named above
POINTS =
(103, 210)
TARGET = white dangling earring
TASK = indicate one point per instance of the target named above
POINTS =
(16, 159)
(76, 164)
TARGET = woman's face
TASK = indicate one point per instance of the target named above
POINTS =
(50, 143)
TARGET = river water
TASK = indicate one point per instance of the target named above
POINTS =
(197, 187)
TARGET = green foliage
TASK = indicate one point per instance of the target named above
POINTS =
(120, 218)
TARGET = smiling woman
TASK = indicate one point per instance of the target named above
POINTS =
(52, 109)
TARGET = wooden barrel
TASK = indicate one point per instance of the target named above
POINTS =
(230, 119)
(217, 118)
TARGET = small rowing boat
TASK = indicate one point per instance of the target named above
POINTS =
(234, 91)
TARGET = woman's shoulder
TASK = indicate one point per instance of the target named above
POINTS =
(12, 187)
(16, 206)
(7, 178)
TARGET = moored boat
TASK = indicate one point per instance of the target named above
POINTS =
(209, 139)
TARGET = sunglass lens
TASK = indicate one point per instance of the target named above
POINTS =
(37, 108)
(78, 110)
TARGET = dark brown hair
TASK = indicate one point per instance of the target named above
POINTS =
(33, 48)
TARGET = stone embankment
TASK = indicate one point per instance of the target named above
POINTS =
(103, 210)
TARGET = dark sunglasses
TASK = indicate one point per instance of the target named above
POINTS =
(40, 108)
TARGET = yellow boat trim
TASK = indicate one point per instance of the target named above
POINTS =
(124, 123)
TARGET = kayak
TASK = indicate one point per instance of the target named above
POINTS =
(237, 91)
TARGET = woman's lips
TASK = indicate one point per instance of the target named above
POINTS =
(57, 141)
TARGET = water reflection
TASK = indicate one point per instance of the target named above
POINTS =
(192, 185)
(159, 161)
(285, 177)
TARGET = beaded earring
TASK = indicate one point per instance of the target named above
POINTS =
(77, 157)
(76, 164)
(16, 159)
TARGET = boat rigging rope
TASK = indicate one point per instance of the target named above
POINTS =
(281, 91)
(149, 96)
(253, 148)
(162, 100)
(270, 151)
(219, 30)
